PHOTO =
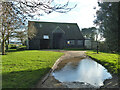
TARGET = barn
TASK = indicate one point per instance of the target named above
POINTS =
(55, 35)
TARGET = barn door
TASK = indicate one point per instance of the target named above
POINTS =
(58, 40)
(44, 44)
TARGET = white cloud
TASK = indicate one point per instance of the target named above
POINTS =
(83, 14)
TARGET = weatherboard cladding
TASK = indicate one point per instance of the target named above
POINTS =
(47, 28)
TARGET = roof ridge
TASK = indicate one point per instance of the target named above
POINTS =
(52, 22)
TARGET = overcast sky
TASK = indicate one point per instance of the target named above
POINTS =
(83, 14)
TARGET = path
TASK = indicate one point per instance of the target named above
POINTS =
(51, 82)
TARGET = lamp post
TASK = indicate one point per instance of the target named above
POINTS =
(97, 39)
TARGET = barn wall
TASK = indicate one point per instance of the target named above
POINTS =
(77, 44)
(46, 29)
(88, 44)
(34, 44)
(58, 40)
(93, 45)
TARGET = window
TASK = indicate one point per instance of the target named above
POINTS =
(80, 42)
(40, 25)
(45, 37)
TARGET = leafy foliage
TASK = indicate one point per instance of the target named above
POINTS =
(12, 46)
(89, 33)
(107, 20)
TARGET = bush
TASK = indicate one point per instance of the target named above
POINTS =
(103, 47)
(12, 46)
(21, 47)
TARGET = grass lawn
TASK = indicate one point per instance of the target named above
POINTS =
(110, 61)
(22, 69)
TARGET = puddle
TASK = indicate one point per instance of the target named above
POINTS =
(86, 71)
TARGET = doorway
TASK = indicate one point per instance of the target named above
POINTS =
(58, 40)
(44, 44)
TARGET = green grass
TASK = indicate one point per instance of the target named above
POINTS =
(109, 60)
(23, 69)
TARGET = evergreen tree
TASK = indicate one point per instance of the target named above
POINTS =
(107, 20)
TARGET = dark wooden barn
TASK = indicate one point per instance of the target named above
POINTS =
(55, 35)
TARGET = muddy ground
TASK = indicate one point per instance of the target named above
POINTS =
(71, 56)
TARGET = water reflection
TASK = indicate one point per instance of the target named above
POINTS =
(86, 70)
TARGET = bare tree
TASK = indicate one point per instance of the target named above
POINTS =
(9, 21)
(32, 32)
(15, 13)
(20, 35)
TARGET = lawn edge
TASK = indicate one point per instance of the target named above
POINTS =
(100, 62)
(113, 74)
(46, 76)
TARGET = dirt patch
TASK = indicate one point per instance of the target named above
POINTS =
(111, 83)
(68, 56)
(51, 83)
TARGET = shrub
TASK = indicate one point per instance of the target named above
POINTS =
(103, 47)
(12, 46)
(21, 47)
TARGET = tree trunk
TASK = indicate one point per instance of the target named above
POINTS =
(3, 47)
(97, 42)
(6, 46)
(7, 43)
(22, 42)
